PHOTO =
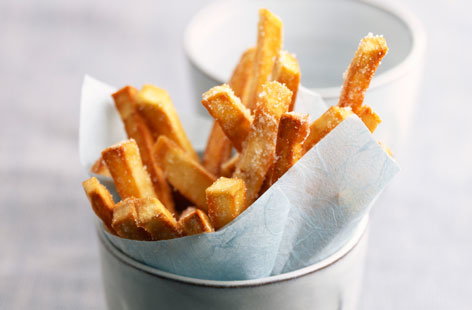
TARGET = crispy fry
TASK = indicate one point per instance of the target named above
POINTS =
(324, 124)
(226, 199)
(157, 109)
(242, 74)
(137, 129)
(269, 43)
(369, 117)
(184, 173)
(125, 221)
(287, 71)
(99, 167)
(293, 130)
(194, 221)
(228, 167)
(217, 151)
(259, 148)
(155, 219)
(360, 72)
(234, 118)
(129, 175)
(100, 200)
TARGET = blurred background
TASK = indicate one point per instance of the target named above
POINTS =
(420, 247)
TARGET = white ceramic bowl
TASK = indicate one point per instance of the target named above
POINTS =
(333, 283)
(324, 35)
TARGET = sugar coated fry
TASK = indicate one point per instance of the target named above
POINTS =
(217, 151)
(226, 199)
(137, 129)
(369, 117)
(100, 200)
(156, 219)
(125, 221)
(194, 221)
(242, 75)
(156, 106)
(129, 175)
(287, 71)
(259, 148)
(269, 44)
(324, 124)
(234, 118)
(360, 72)
(185, 174)
(227, 169)
(99, 167)
(293, 130)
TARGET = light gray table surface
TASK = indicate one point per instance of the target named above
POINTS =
(420, 249)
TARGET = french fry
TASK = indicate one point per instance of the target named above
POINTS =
(233, 117)
(185, 174)
(287, 71)
(100, 200)
(155, 105)
(269, 44)
(360, 72)
(194, 221)
(137, 129)
(125, 221)
(241, 78)
(369, 117)
(226, 199)
(293, 130)
(99, 167)
(129, 175)
(218, 149)
(156, 219)
(324, 124)
(259, 148)
(227, 169)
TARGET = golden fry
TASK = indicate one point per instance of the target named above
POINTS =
(360, 72)
(228, 167)
(194, 221)
(101, 201)
(99, 167)
(369, 117)
(293, 130)
(234, 118)
(129, 175)
(287, 71)
(125, 221)
(157, 109)
(242, 74)
(226, 199)
(137, 129)
(217, 151)
(184, 173)
(155, 219)
(324, 124)
(269, 44)
(259, 148)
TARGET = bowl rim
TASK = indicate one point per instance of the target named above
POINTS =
(412, 23)
(358, 235)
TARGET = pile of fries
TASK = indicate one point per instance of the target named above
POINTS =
(167, 192)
